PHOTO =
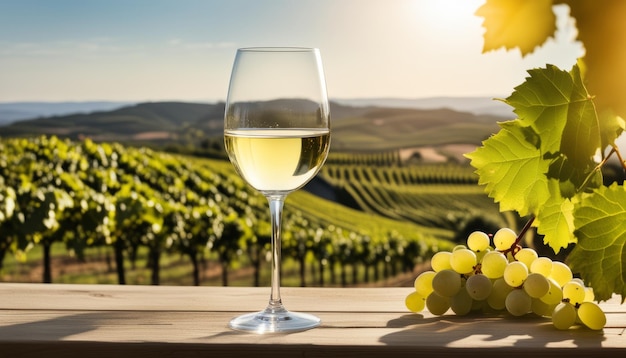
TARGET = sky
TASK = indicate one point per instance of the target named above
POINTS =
(183, 50)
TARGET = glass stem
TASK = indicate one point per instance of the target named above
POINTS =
(276, 211)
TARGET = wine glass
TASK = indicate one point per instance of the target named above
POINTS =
(277, 135)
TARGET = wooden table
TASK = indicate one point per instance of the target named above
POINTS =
(38, 320)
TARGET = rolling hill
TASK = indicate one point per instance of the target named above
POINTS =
(355, 128)
(381, 129)
(475, 105)
(146, 120)
(11, 112)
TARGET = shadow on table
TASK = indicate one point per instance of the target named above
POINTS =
(52, 329)
(526, 333)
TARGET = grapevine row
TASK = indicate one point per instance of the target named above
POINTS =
(86, 194)
(432, 195)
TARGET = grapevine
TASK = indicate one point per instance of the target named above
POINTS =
(89, 195)
(547, 163)
(493, 274)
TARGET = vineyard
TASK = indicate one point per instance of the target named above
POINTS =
(442, 195)
(141, 204)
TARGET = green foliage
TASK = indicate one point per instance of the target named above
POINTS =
(439, 197)
(600, 221)
(570, 118)
(87, 194)
(513, 169)
(543, 164)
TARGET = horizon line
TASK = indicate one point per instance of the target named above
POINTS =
(223, 100)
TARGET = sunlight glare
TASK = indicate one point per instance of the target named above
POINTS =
(447, 17)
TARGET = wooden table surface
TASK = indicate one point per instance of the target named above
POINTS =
(56, 320)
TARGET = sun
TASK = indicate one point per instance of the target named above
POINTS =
(446, 16)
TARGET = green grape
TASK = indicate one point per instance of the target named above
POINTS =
(463, 260)
(481, 254)
(515, 274)
(424, 283)
(493, 264)
(536, 285)
(447, 283)
(591, 315)
(478, 305)
(461, 303)
(554, 295)
(541, 308)
(415, 302)
(518, 303)
(564, 315)
(574, 292)
(561, 273)
(577, 279)
(437, 304)
(441, 261)
(499, 291)
(589, 294)
(504, 239)
(478, 287)
(478, 277)
(527, 256)
(542, 265)
(459, 247)
(478, 241)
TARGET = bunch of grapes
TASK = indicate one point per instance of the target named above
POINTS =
(505, 276)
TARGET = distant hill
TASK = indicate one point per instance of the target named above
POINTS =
(355, 128)
(145, 121)
(475, 105)
(15, 111)
(379, 129)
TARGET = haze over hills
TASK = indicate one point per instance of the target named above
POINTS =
(381, 129)
(475, 105)
(144, 121)
(16, 111)
(355, 128)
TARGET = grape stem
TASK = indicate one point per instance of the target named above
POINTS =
(598, 167)
(619, 156)
(516, 245)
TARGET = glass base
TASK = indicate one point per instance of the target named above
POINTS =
(274, 321)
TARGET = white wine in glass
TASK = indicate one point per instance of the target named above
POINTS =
(277, 135)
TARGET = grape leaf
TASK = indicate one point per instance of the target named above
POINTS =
(612, 127)
(517, 23)
(570, 127)
(557, 106)
(599, 256)
(539, 162)
(555, 220)
(512, 169)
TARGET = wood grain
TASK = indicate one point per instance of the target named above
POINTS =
(38, 320)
